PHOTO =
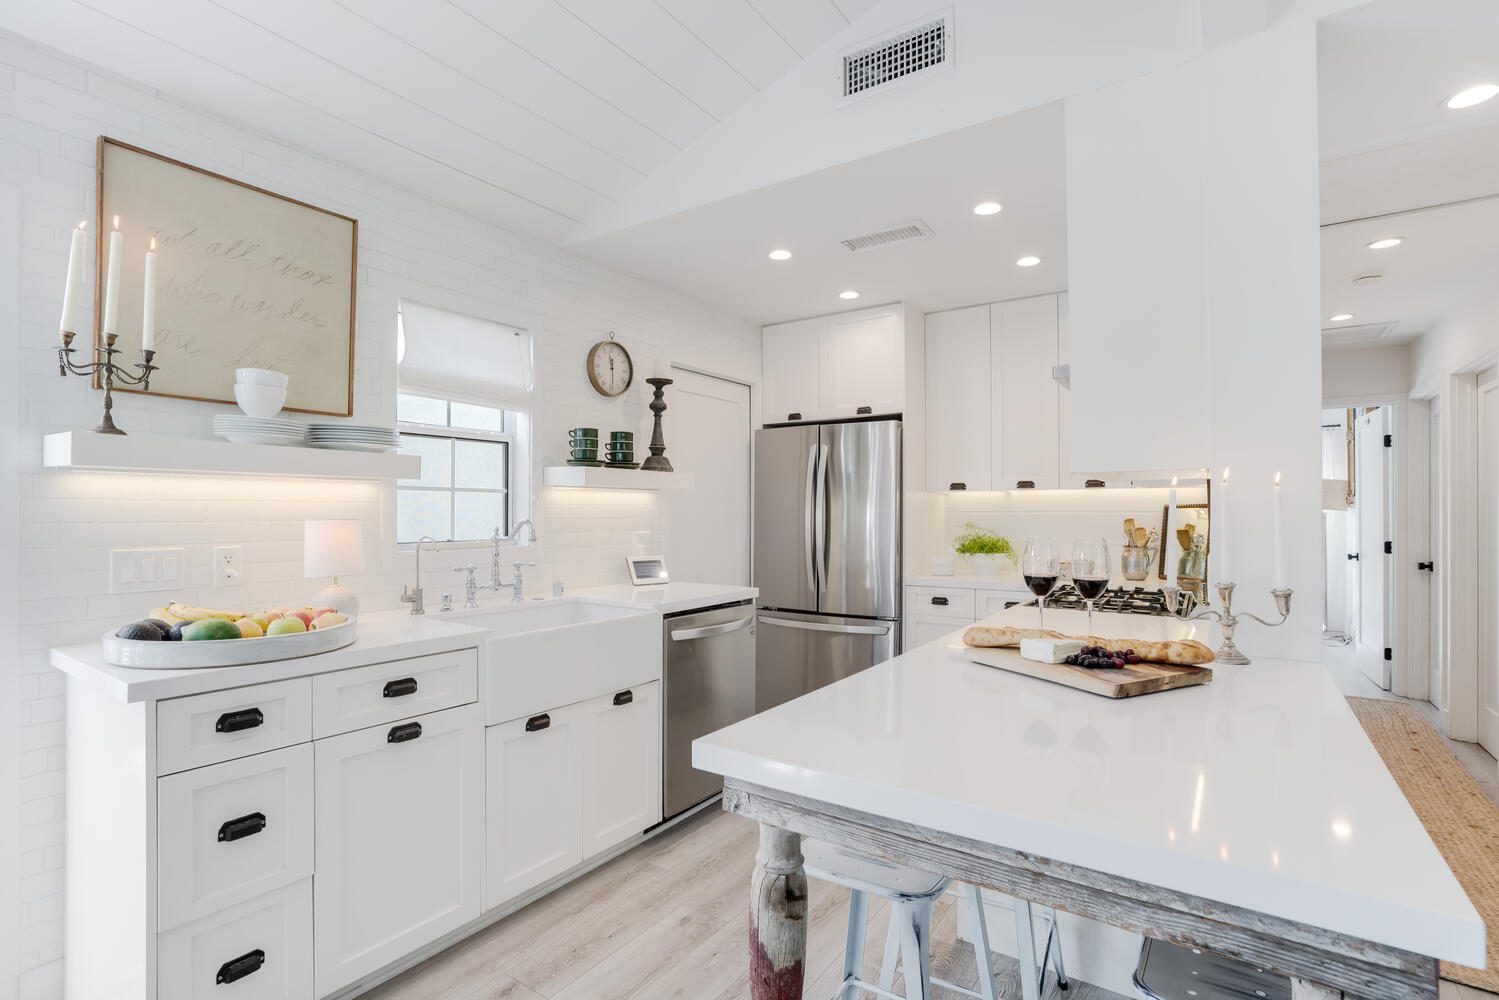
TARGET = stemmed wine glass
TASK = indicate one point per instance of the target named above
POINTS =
(1041, 564)
(1090, 571)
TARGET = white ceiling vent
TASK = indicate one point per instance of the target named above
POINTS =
(903, 233)
(923, 46)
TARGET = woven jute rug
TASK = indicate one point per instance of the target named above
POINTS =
(1462, 821)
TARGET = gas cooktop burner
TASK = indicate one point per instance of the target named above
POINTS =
(1119, 600)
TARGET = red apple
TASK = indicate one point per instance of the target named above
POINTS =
(303, 615)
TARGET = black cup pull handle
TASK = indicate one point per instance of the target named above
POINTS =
(234, 722)
(941, 602)
(400, 688)
(405, 733)
(864, 411)
(1026, 484)
(536, 723)
(236, 969)
(957, 486)
(245, 826)
(624, 697)
(793, 416)
(1427, 566)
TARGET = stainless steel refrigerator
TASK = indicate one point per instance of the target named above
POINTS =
(827, 553)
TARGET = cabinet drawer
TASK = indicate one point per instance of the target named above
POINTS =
(222, 725)
(257, 950)
(940, 602)
(384, 692)
(231, 831)
(992, 602)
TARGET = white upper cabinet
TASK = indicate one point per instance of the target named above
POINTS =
(959, 396)
(830, 367)
(1025, 436)
(1070, 480)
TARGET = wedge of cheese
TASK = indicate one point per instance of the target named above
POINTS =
(1049, 650)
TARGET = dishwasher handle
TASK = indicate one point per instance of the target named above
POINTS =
(824, 627)
(684, 634)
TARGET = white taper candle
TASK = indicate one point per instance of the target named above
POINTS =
(1280, 545)
(148, 301)
(69, 321)
(112, 282)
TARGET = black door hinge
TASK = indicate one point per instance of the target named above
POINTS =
(1389, 548)
(1389, 653)
(1389, 440)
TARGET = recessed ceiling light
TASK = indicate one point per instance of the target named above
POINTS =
(1340, 317)
(1386, 243)
(849, 294)
(987, 208)
(780, 255)
(1028, 260)
(1473, 95)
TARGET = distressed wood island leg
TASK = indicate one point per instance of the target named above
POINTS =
(1302, 989)
(778, 917)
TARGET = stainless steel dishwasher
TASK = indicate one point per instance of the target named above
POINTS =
(709, 683)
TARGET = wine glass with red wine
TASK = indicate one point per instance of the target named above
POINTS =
(1041, 564)
(1090, 571)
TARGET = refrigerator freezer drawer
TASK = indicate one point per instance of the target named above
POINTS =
(797, 653)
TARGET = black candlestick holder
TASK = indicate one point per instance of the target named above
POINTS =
(110, 371)
(658, 461)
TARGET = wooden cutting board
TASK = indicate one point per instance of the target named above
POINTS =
(1142, 678)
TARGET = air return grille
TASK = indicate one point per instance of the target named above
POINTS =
(885, 237)
(911, 51)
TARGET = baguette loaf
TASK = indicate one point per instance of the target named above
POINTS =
(1175, 652)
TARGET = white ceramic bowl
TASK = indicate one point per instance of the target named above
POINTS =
(261, 376)
(259, 400)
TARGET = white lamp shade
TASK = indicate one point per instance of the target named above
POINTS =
(332, 548)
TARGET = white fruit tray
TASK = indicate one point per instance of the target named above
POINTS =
(147, 655)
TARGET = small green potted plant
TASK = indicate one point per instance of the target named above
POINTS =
(983, 548)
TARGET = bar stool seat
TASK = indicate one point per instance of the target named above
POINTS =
(1170, 972)
(912, 893)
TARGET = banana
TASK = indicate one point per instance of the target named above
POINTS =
(162, 614)
(187, 612)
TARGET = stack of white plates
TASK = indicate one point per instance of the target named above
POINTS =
(258, 430)
(352, 437)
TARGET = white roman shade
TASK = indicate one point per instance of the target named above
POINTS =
(453, 356)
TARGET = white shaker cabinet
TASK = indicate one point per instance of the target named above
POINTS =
(621, 789)
(833, 367)
(959, 397)
(399, 840)
(792, 361)
(1026, 437)
(1070, 480)
(535, 824)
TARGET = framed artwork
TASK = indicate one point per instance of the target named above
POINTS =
(245, 278)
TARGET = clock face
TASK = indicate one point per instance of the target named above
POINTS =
(610, 368)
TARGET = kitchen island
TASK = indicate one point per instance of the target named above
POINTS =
(1251, 816)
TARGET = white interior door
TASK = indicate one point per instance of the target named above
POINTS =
(708, 527)
(1371, 636)
(1488, 521)
(1436, 616)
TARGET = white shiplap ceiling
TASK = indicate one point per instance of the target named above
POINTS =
(533, 114)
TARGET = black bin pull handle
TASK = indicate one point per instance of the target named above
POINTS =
(400, 688)
(536, 723)
(793, 416)
(624, 697)
(404, 733)
(941, 602)
(238, 968)
(244, 826)
(1026, 484)
(864, 411)
(957, 486)
(234, 722)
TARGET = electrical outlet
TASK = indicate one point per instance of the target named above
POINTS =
(133, 571)
(226, 566)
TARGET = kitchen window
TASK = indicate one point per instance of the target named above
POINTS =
(462, 406)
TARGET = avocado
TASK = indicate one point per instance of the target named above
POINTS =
(175, 633)
(210, 629)
(161, 626)
(141, 632)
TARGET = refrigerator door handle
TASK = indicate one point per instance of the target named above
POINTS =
(820, 504)
(823, 627)
(809, 518)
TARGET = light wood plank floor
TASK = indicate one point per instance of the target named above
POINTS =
(668, 921)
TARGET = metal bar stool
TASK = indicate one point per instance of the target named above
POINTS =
(1170, 972)
(912, 894)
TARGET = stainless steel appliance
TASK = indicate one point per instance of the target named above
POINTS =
(1117, 600)
(827, 553)
(708, 683)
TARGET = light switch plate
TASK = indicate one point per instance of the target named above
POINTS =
(133, 571)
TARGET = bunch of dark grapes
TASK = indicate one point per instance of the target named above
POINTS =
(1098, 658)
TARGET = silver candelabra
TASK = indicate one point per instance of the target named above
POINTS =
(1182, 608)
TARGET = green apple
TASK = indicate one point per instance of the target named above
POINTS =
(285, 626)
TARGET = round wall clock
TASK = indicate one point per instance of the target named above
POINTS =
(609, 367)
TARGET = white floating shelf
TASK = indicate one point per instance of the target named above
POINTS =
(209, 456)
(600, 478)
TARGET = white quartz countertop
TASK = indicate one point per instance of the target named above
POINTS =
(1258, 790)
(383, 636)
(970, 581)
(670, 598)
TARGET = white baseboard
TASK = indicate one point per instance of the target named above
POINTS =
(1094, 953)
